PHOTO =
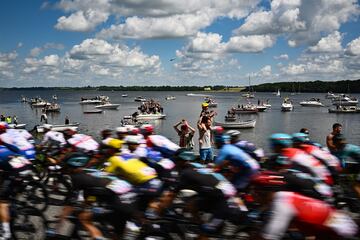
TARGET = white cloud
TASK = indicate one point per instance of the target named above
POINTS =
(353, 48)
(37, 50)
(300, 21)
(330, 43)
(282, 57)
(82, 21)
(7, 64)
(265, 71)
(252, 43)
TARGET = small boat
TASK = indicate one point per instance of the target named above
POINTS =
(108, 106)
(24, 99)
(277, 93)
(211, 102)
(345, 100)
(54, 97)
(170, 98)
(313, 102)
(261, 108)
(248, 108)
(58, 127)
(230, 118)
(287, 106)
(94, 111)
(53, 107)
(40, 104)
(248, 95)
(151, 116)
(96, 100)
(124, 95)
(345, 109)
(140, 99)
(331, 95)
(237, 125)
(197, 95)
(17, 126)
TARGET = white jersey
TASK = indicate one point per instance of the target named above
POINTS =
(84, 142)
(53, 136)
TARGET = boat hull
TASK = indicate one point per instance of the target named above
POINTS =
(93, 111)
(311, 104)
(108, 106)
(150, 116)
(59, 127)
(237, 125)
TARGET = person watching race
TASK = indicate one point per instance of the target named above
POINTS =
(241, 165)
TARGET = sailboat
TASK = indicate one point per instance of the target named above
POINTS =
(278, 93)
(249, 94)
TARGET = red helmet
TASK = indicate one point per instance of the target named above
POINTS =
(3, 126)
(134, 131)
(147, 129)
(218, 130)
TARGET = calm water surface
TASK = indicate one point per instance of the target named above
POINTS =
(318, 120)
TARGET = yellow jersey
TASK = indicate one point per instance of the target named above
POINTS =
(133, 170)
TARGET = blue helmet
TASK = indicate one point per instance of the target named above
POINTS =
(280, 139)
(222, 139)
(300, 137)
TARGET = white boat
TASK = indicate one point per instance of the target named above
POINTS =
(40, 104)
(197, 95)
(170, 98)
(54, 97)
(268, 105)
(237, 125)
(96, 100)
(278, 93)
(108, 106)
(331, 95)
(58, 127)
(287, 106)
(94, 111)
(345, 100)
(248, 95)
(53, 107)
(261, 108)
(345, 109)
(151, 116)
(17, 126)
(124, 95)
(140, 99)
(311, 103)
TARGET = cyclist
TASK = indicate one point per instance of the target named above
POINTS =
(99, 187)
(248, 147)
(121, 132)
(313, 217)
(11, 165)
(241, 165)
(52, 138)
(344, 150)
(288, 157)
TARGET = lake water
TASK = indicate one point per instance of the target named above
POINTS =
(317, 120)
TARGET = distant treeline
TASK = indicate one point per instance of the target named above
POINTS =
(345, 86)
(129, 88)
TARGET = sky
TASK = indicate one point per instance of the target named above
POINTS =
(177, 42)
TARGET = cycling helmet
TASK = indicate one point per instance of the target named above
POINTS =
(133, 139)
(280, 139)
(217, 130)
(300, 137)
(234, 135)
(222, 139)
(147, 129)
(122, 130)
(133, 131)
(113, 143)
(77, 160)
(184, 155)
(3, 126)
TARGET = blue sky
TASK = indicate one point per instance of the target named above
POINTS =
(209, 42)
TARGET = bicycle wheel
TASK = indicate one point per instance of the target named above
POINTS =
(58, 187)
(27, 223)
(34, 194)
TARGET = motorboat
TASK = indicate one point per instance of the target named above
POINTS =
(345, 109)
(230, 118)
(287, 105)
(248, 108)
(170, 98)
(345, 100)
(53, 107)
(93, 111)
(237, 125)
(108, 105)
(313, 102)
(59, 127)
(124, 95)
(331, 95)
(261, 108)
(150, 116)
(248, 95)
(24, 99)
(40, 104)
(96, 100)
(17, 126)
(197, 95)
(140, 99)
(54, 97)
(211, 103)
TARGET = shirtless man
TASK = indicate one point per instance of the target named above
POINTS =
(337, 127)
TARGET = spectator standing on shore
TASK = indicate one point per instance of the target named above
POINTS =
(186, 134)
(337, 127)
(44, 118)
(15, 120)
(205, 139)
(2, 118)
(8, 120)
(67, 120)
